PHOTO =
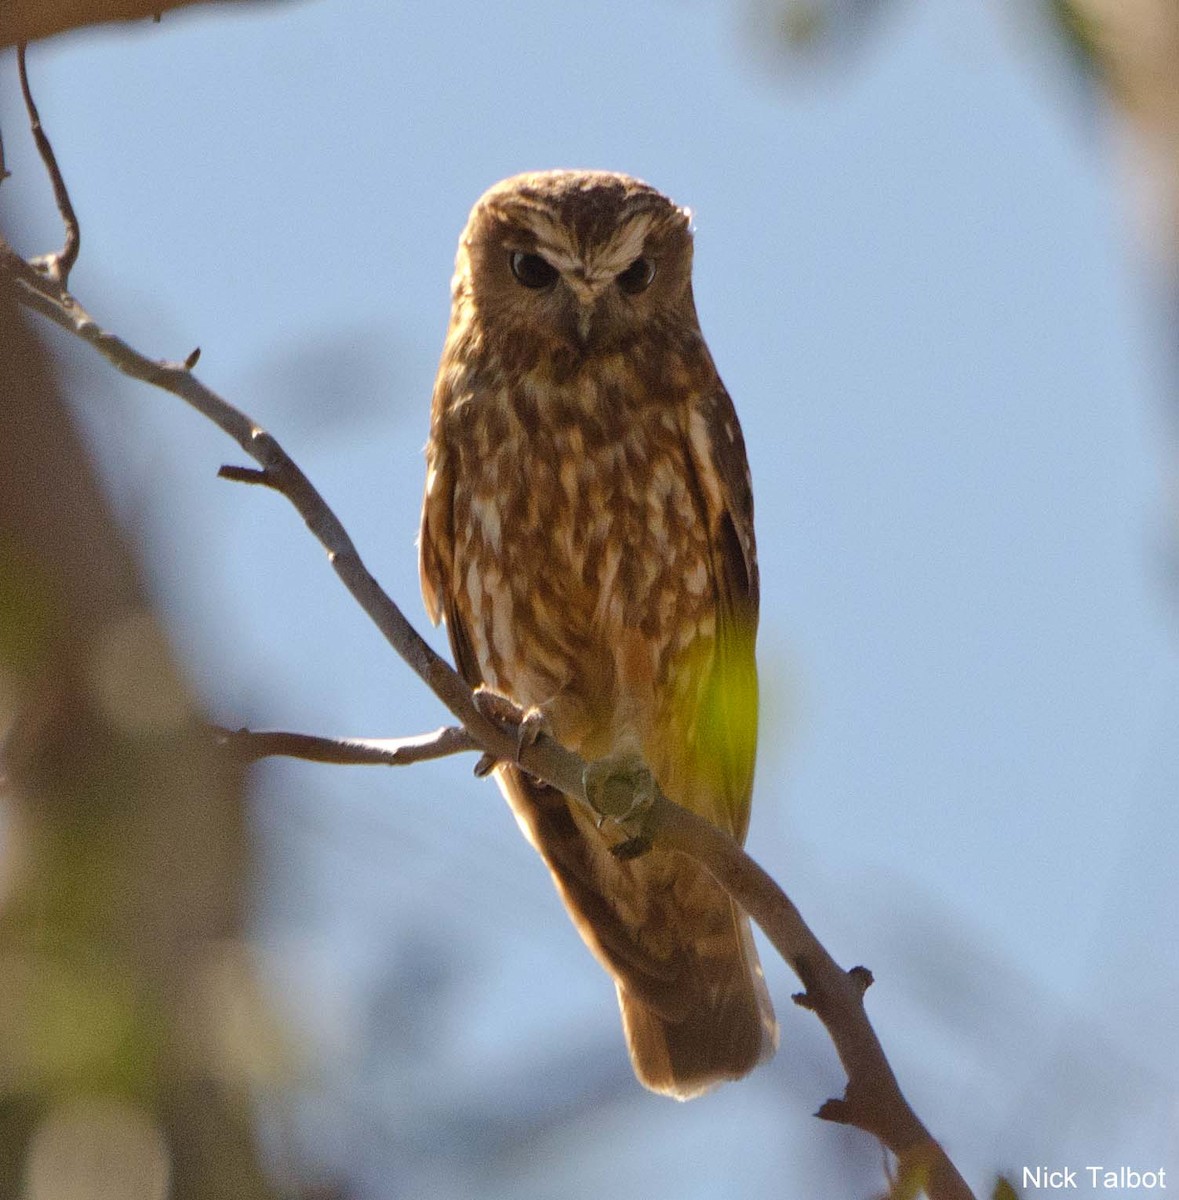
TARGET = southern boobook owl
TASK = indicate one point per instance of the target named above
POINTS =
(587, 535)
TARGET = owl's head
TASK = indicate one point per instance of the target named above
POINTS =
(586, 260)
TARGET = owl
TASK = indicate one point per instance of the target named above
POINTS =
(587, 536)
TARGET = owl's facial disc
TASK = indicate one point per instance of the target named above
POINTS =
(585, 286)
(584, 258)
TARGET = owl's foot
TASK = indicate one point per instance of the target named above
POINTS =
(529, 724)
(622, 791)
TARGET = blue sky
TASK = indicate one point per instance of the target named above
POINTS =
(917, 275)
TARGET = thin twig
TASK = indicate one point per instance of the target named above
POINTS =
(250, 745)
(57, 266)
(244, 475)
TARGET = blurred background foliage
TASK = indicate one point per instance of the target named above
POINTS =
(141, 1057)
(132, 1037)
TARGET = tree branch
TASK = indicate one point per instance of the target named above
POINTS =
(252, 745)
(872, 1100)
(58, 265)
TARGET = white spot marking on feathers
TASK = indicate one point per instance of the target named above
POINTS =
(609, 573)
(503, 633)
(488, 517)
(569, 474)
(696, 578)
(701, 439)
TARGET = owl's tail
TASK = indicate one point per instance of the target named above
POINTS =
(695, 1006)
(725, 1028)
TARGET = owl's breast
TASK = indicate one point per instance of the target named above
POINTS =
(581, 561)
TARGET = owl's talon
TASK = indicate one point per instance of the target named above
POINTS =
(530, 724)
(632, 848)
(622, 791)
(533, 726)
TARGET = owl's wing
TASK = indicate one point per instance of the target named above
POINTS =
(436, 560)
(728, 720)
(723, 449)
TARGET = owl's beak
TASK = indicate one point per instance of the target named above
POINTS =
(586, 293)
(585, 322)
(585, 290)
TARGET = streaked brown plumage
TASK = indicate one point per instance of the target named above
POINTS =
(587, 535)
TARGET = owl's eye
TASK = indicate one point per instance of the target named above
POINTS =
(532, 270)
(637, 277)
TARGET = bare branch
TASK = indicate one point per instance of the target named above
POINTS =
(872, 1100)
(57, 266)
(252, 745)
(244, 475)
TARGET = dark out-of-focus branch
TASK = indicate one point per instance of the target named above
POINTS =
(124, 853)
(1134, 47)
(30, 20)
(873, 1100)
